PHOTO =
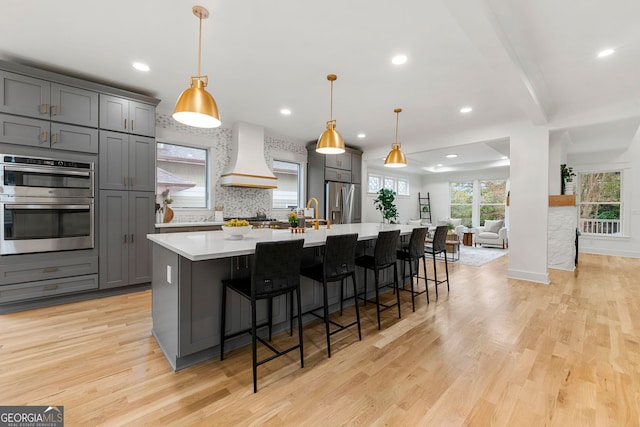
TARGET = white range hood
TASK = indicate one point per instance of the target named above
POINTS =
(247, 166)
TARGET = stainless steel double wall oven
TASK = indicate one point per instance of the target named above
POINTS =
(45, 204)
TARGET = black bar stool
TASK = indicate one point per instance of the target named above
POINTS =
(384, 256)
(338, 264)
(439, 246)
(275, 271)
(411, 253)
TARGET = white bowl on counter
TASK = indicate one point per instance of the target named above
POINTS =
(236, 232)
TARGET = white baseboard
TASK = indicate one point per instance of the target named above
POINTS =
(529, 276)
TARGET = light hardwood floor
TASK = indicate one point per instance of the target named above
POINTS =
(491, 352)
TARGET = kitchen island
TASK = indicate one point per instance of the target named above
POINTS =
(186, 285)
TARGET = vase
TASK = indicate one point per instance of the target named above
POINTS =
(569, 187)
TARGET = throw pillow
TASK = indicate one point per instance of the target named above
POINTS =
(455, 221)
(493, 226)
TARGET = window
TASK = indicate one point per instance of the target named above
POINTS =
(403, 187)
(600, 203)
(461, 194)
(493, 195)
(374, 184)
(390, 183)
(182, 175)
(288, 194)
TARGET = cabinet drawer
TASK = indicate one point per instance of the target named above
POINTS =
(24, 131)
(47, 288)
(42, 270)
(74, 138)
(337, 175)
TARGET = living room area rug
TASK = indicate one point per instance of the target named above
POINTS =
(480, 255)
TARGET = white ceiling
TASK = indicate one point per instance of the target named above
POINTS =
(526, 60)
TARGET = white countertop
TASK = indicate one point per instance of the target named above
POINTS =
(189, 224)
(203, 245)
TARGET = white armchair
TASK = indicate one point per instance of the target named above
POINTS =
(492, 233)
(458, 228)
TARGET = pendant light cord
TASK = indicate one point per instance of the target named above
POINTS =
(331, 106)
(199, 44)
(397, 116)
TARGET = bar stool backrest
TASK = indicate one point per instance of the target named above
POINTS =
(276, 267)
(385, 251)
(340, 255)
(416, 243)
(440, 239)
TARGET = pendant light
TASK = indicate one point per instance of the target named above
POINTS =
(196, 107)
(395, 158)
(330, 142)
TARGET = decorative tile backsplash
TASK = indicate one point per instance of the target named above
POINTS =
(237, 201)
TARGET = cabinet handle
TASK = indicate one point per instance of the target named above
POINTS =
(131, 124)
(131, 238)
(50, 288)
(50, 270)
(124, 180)
(131, 179)
(45, 135)
(44, 108)
(124, 239)
(54, 137)
(54, 110)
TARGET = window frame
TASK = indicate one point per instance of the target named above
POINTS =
(503, 204)
(395, 180)
(289, 157)
(470, 205)
(301, 181)
(209, 171)
(622, 233)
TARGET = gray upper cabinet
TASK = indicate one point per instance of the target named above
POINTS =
(339, 161)
(31, 97)
(356, 168)
(73, 105)
(127, 162)
(123, 115)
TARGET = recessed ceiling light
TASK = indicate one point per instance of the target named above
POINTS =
(439, 165)
(606, 52)
(466, 109)
(399, 59)
(505, 158)
(285, 112)
(451, 156)
(362, 135)
(140, 66)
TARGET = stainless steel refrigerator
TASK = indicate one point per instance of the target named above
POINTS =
(343, 204)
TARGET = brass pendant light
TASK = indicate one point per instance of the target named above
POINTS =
(330, 142)
(395, 158)
(196, 107)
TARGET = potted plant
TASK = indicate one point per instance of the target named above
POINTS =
(385, 204)
(567, 175)
(293, 219)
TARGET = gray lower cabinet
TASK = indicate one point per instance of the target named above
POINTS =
(127, 162)
(45, 134)
(125, 218)
(32, 97)
(47, 288)
(124, 115)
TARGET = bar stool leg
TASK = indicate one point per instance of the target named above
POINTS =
(299, 326)
(326, 316)
(223, 320)
(397, 287)
(377, 296)
(446, 269)
(355, 296)
(355, 293)
(424, 267)
(435, 274)
(365, 287)
(413, 298)
(254, 349)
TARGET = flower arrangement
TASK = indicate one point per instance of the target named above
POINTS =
(293, 218)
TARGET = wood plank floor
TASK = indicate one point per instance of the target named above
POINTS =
(491, 352)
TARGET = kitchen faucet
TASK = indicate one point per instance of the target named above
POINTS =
(313, 199)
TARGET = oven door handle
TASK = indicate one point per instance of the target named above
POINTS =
(67, 207)
(47, 170)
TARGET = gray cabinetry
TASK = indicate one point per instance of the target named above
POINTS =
(31, 97)
(126, 217)
(45, 134)
(123, 115)
(356, 168)
(337, 175)
(338, 161)
(127, 162)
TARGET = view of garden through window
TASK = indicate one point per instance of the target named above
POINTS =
(600, 203)
(462, 201)
(493, 195)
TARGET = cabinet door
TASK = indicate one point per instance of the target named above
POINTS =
(356, 168)
(142, 119)
(73, 105)
(337, 175)
(339, 161)
(114, 113)
(114, 161)
(114, 239)
(141, 223)
(142, 163)
(24, 95)
(74, 138)
(24, 131)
